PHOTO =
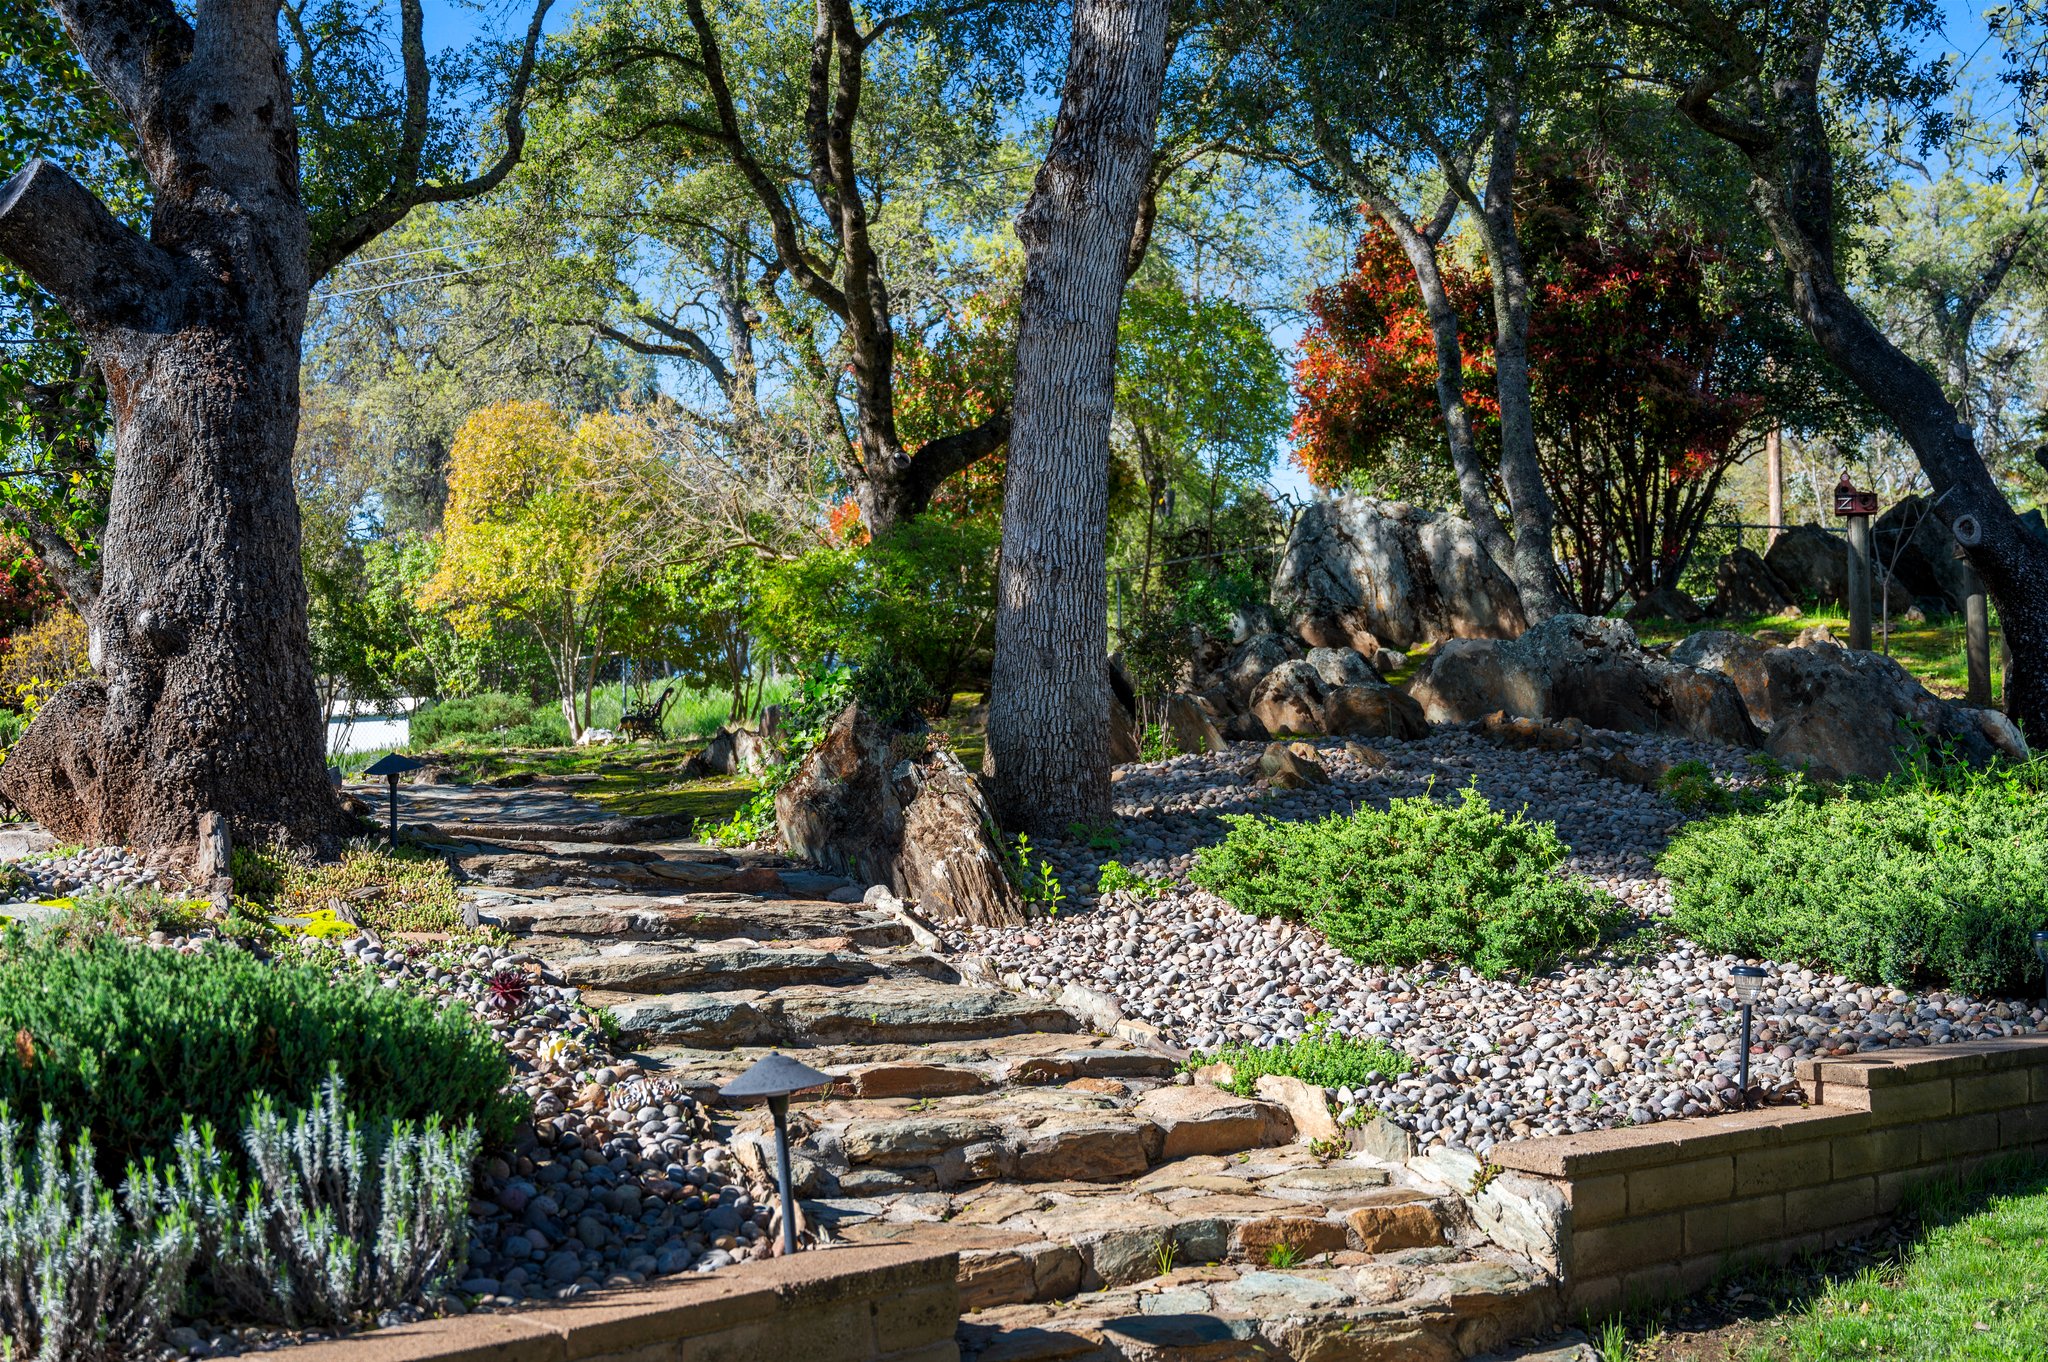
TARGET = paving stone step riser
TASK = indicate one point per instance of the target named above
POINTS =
(689, 918)
(681, 971)
(1437, 1313)
(887, 1012)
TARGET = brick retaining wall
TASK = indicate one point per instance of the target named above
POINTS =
(1655, 1211)
(837, 1305)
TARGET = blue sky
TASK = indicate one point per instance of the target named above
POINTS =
(1964, 34)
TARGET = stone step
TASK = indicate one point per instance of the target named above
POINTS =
(1032, 1242)
(707, 917)
(1088, 1130)
(624, 868)
(641, 967)
(1427, 1311)
(937, 1069)
(881, 1012)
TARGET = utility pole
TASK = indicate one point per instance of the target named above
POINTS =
(1774, 472)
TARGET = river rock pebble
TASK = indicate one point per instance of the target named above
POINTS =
(81, 871)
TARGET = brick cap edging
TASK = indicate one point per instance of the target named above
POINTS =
(610, 1321)
(1843, 1086)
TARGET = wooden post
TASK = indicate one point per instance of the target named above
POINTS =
(1976, 633)
(212, 861)
(1859, 582)
(1774, 473)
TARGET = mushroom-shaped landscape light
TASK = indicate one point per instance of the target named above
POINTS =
(391, 766)
(1747, 983)
(2041, 954)
(775, 1078)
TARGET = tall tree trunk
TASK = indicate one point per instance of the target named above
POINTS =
(1535, 563)
(1475, 494)
(1048, 724)
(202, 698)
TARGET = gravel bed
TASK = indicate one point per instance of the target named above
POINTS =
(51, 876)
(1611, 1040)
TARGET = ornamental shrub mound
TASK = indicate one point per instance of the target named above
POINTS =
(1925, 880)
(1418, 881)
(122, 1042)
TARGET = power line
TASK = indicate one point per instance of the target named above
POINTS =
(415, 279)
(404, 255)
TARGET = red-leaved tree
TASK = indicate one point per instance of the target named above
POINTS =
(1644, 385)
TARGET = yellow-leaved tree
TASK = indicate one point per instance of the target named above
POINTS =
(544, 531)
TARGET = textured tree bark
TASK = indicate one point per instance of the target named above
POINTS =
(1048, 726)
(202, 698)
(1535, 563)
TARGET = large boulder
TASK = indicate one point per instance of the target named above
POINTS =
(890, 806)
(1839, 713)
(1374, 711)
(1738, 657)
(1191, 727)
(1360, 572)
(1811, 563)
(1342, 667)
(1745, 585)
(1914, 540)
(1252, 660)
(1575, 667)
(1667, 603)
(1290, 699)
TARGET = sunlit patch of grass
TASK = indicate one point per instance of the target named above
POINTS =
(1932, 651)
(390, 891)
(1975, 1286)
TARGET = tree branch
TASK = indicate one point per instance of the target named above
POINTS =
(937, 460)
(131, 47)
(62, 237)
(782, 223)
(79, 582)
(683, 343)
(407, 192)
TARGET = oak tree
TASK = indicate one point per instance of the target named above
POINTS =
(272, 148)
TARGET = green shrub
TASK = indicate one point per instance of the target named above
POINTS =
(11, 725)
(342, 1218)
(1914, 881)
(510, 719)
(1419, 881)
(81, 1281)
(1323, 1057)
(405, 890)
(123, 1042)
(1116, 876)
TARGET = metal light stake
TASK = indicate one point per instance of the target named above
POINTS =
(2041, 954)
(775, 1078)
(391, 766)
(1747, 982)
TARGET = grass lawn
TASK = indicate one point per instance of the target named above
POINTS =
(626, 778)
(1968, 1282)
(1932, 652)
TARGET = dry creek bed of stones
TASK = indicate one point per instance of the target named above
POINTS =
(1611, 1040)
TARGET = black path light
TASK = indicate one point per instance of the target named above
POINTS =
(2041, 954)
(391, 766)
(1747, 982)
(775, 1078)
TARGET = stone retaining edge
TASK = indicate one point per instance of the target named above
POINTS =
(1637, 1214)
(868, 1304)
